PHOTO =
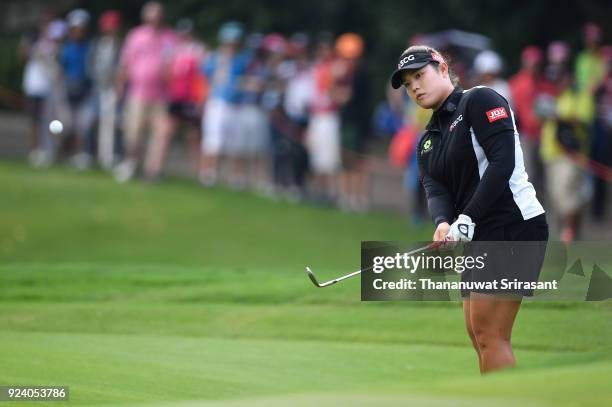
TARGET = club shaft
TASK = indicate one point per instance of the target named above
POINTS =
(354, 273)
(334, 281)
(349, 275)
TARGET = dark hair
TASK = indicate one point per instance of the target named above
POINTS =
(451, 74)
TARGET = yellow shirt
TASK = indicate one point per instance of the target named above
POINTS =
(590, 69)
(571, 106)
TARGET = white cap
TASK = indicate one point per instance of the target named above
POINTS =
(78, 18)
(56, 30)
(488, 62)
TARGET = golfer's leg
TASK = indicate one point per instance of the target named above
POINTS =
(491, 320)
(470, 330)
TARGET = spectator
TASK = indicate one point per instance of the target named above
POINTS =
(298, 95)
(524, 87)
(56, 103)
(284, 134)
(550, 87)
(141, 67)
(565, 132)
(39, 51)
(488, 67)
(74, 57)
(223, 69)
(353, 97)
(558, 56)
(185, 93)
(103, 61)
(245, 142)
(601, 149)
(389, 114)
(589, 62)
(254, 125)
(323, 134)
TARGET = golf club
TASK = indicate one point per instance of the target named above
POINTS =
(433, 245)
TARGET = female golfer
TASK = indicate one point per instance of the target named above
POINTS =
(471, 166)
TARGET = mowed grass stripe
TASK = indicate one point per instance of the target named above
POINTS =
(112, 368)
(260, 303)
(172, 368)
(66, 282)
(265, 304)
(560, 330)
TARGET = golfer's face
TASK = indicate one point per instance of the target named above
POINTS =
(423, 86)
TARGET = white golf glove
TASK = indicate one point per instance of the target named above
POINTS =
(462, 230)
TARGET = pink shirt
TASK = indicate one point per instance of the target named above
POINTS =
(184, 72)
(144, 54)
(323, 83)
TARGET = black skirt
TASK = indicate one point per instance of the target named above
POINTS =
(513, 257)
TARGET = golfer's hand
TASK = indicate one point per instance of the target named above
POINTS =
(441, 232)
(462, 230)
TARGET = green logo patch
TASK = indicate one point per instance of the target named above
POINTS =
(427, 145)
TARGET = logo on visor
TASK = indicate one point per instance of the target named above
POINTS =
(496, 114)
(437, 57)
(405, 60)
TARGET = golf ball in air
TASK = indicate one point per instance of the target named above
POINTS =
(56, 127)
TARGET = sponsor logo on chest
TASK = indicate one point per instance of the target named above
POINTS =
(455, 123)
(427, 146)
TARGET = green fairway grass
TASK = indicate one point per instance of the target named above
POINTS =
(176, 295)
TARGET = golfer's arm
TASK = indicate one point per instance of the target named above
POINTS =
(439, 201)
(499, 150)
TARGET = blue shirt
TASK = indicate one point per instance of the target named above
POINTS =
(74, 59)
(224, 78)
(257, 70)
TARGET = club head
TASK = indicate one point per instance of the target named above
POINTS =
(314, 279)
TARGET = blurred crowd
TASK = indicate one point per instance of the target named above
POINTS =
(562, 105)
(288, 116)
(284, 115)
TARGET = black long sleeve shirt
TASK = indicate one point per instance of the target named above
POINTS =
(471, 162)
